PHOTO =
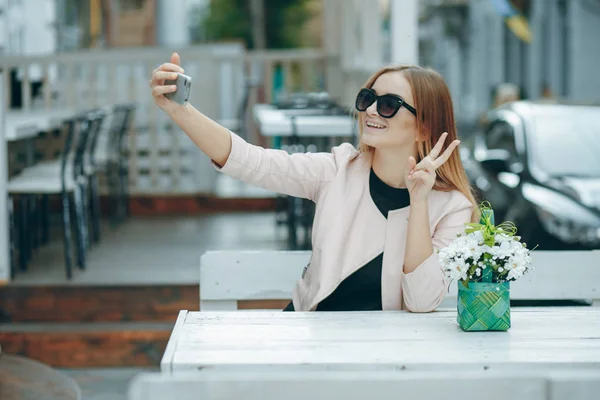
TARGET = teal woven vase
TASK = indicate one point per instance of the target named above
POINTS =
(484, 306)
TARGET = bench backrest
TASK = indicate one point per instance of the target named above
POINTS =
(229, 276)
(363, 384)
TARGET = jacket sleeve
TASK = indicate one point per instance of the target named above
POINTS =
(424, 288)
(298, 175)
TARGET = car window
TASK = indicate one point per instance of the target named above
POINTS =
(500, 136)
(565, 141)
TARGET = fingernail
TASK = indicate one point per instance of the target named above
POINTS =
(181, 70)
(174, 76)
(173, 87)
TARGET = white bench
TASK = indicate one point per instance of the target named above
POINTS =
(281, 383)
(227, 277)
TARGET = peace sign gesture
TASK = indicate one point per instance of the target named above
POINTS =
(420, 177)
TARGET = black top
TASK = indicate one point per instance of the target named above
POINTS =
(361, 291)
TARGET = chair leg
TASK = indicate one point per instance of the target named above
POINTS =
(80, 223)
(121, 211)
(67, 234)
(45, 219)
(23, 241)
(125, 183)
(29, 228)
(95, 197)
(85, 199)
(13, 236)
(35, 222)
(114, 188)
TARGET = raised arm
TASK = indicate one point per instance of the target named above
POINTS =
(212, 138)
(299, 175)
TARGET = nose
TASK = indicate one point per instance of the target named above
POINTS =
(372, 109)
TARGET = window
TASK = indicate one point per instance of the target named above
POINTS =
(501, 136)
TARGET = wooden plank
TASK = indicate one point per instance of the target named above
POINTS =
(539, 337)
(88, 345)
(166, 362)
(327, 385)
(69, 303)
(143, 205)
(276, 304)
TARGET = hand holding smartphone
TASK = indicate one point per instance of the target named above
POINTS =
(182, 93)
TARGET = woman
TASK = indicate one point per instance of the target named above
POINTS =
(381, 210)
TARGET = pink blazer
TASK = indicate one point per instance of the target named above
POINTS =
(348, 229)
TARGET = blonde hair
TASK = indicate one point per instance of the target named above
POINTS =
(435, 115)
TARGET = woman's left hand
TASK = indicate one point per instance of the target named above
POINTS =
(420, 177)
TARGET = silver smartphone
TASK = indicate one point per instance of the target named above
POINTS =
(182, 94)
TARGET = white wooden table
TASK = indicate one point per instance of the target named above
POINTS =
(27, 124)
(15, 126)
(275, 122)
(539, 337)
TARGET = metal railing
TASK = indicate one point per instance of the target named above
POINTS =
(161, 158)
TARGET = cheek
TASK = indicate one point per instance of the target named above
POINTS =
(406, 126)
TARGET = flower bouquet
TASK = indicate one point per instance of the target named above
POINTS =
(484, 260)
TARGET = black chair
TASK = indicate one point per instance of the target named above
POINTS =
(64, 180)
(118, 168)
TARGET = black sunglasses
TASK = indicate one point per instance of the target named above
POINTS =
(387, 104)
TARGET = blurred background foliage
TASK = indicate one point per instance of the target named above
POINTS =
(288, 23)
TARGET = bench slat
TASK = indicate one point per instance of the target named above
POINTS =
(229, 276)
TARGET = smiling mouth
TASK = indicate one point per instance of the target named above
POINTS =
(374, 125)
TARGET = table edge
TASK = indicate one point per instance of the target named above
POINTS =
(166, 363)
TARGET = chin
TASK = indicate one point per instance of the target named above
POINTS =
(377, 140)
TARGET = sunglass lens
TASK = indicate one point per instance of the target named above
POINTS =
(387, 106)
(364, 99)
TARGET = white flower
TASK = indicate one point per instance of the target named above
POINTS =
(502, 238)
(509, 257)
(505, 250)
(457, 270)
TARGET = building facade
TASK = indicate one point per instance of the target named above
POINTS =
(472, 46)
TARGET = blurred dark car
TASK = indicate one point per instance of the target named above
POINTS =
(538, 165)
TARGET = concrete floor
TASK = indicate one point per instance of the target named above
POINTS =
(156, 250)
(105, 383)
(150, 250)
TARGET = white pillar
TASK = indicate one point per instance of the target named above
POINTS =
(172, 23)
(534, 50)
(332, 27)
(4, 230)
(555, 57)
(333, 42)
(497, 50)
(370, 56)
(404, 40)
(350, 41)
